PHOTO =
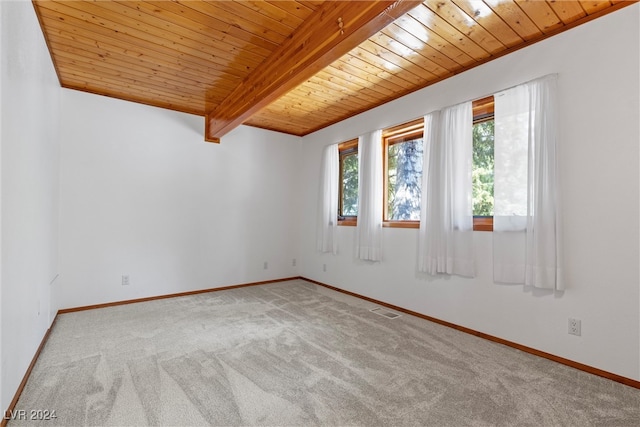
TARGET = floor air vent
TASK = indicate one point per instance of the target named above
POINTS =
(385, 313)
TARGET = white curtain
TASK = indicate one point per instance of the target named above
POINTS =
(445, 240)
(328, 201)
(526, 234)
(369, 229)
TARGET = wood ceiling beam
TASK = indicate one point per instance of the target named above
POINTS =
(333, 30)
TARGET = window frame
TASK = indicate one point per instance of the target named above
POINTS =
(394, 135)
(345, 149)
(483, 110)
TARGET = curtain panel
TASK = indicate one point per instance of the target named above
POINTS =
(369, 228)
(327, 227)
(445, 239)
(526, 223)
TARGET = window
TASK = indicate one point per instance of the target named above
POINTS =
(348, 192)
(483, 161)
(402, 160)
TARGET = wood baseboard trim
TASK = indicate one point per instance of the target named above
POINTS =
(586, 368)
(6, 417)
(179, 294)
(577, 365)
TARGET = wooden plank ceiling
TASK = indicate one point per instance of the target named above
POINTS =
(201, 56)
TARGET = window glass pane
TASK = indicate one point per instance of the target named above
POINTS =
(349, 202)
(483, 161)
(404, 180)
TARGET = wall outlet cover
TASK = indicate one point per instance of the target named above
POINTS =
(575, 327)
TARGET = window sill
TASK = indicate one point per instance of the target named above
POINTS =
(482, 223)
(401, 224)
(479, 223)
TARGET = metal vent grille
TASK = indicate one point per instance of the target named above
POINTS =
(386, 313)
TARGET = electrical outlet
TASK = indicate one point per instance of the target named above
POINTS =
(575, 327)
(293, 262)
(125, 280)
(265, 265)
(324, 267)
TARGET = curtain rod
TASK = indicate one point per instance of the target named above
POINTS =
(480, 97)
(469, 100)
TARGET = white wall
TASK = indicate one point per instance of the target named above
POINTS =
(142, 194)
(29, 145)
(599, 73)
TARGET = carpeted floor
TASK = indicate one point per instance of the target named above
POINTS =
(293, 354)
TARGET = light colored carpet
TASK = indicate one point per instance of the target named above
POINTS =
(294, 353)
